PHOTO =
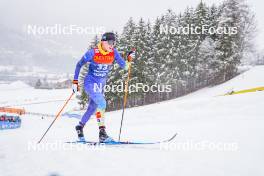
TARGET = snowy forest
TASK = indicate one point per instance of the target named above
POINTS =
(187, 62)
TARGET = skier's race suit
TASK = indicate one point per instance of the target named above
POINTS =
(100, 63)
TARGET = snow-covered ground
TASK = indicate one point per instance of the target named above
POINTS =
(217, 135)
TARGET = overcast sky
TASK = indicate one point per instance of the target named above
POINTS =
(110, 14)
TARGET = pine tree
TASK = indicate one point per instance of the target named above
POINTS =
(214, 15)
(187, 47)
(170, 43)
(149, 55)
(142, 47)
(207, 61)
(200, 54)
(232, 44)
(158, 51)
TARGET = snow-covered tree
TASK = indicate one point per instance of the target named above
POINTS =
(183, 58)
(236, 21)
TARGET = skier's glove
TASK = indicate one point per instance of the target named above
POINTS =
(75, 86)
(131, 56)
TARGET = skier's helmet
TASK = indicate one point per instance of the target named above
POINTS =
(109, 37)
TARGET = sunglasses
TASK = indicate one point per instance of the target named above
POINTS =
(111, 42)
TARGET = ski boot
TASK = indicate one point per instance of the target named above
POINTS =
(103, 137)
(79, 130)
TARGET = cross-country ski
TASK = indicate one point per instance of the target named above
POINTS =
(123, 142)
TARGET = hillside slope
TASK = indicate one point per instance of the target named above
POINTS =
(217, 135)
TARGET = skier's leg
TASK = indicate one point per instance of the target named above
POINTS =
(89, 112)
(98, 103)
(101, 106)
(99, 100)
(90, 91)
(86, 116)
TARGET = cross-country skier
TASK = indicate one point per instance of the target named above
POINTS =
(100, 61)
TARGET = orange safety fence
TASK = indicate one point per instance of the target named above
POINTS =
(13, 110)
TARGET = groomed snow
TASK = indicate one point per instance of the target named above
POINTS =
(217, 135)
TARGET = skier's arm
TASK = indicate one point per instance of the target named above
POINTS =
(87, 57)
(121, 61)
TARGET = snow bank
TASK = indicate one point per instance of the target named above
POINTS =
(14, 86)
(247, 80)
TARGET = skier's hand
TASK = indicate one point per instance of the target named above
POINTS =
(131, 56)
(75, 86)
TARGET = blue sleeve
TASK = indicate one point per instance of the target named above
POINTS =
(121, 62)
(87, 57)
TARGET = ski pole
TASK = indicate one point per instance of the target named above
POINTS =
(58, 114)
(125, 99)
